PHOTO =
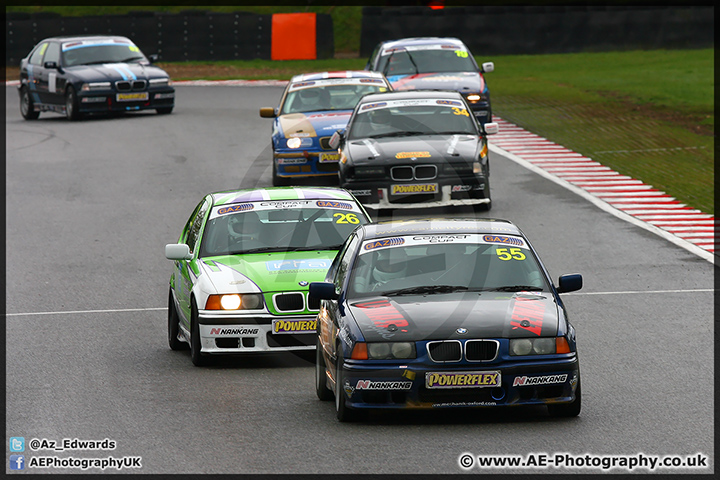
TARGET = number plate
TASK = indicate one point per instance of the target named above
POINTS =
(413, 189)
(329, 157)
(132, 97)
(293, 326)
(462, 379)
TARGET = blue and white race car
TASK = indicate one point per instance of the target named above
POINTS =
(313, 106)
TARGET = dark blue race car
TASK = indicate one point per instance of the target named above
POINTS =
(444, 313)
(313, 106)
(91, 74)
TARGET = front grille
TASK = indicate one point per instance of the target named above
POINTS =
(327, 167)
(406, 173)
(425, 172)
(289, 302)
(294, 340)
(313, 303)
(402, 173)
(325, 143)
(415, 198)
(481, 350)
(455, 395)
(445, 351)
(130, 85)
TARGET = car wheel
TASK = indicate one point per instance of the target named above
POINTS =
(323, 392)
(342, 411)
(164, 110)
(27, 107)
(277, 180)
(71, 104)
(198, 359)
(571, 409)
(174, 326)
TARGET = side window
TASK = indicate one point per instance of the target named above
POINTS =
(343, 265)
(195, 224)
(53, 53)
(37, 55)
(373, 58)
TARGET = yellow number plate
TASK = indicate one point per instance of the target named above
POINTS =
(411, 189)
(132, 97)
(329, 157)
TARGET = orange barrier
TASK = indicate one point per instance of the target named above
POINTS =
(293, 36)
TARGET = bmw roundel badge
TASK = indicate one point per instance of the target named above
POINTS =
(303, 283)
(461, 331)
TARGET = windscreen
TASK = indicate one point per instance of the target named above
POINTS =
(425, 59)
(100, 51)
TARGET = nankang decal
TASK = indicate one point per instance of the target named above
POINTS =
(243, 207)
(289, 265)
(371, 385)
(462, 379)
(503, 239)
(332, 204)
(386, 242)
(539, 380)
(234, 331)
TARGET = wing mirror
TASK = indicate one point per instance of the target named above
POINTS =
(267, 112)
(323, 291)
(177, 251)
(488, 67)
(491, 128)
(337, 139)
(569, 283)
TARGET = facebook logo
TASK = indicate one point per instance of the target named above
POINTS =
(17, 444)
(17, 462)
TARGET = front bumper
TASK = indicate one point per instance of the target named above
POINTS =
(454, 193)
(264, 334)
(304, 163)
(101, 101)
(414, 386)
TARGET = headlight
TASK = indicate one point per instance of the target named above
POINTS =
(477, 168)
(248, 301)
(294, 142)
(87, 87)
(538, 346)
(458, 168)
(159, 82)
(390, 350)
(473, 97)
(370, 171)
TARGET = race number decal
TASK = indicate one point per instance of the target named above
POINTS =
(346, 218)
(510, 253)
(460, 111)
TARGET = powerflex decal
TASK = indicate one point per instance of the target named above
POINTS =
(294, 326)
(462, 379)
(527, 314)
(413, 155)
(382, 313)
(413, 189)
(386, 242)
(539, 380)
(234, 331)
(371, 385)
(244, 207)
(294, 265)
(504, 239)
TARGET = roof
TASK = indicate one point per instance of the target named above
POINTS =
(280, 193)
(304, 77)
(68, 38)
(416, 41)
(423, 226)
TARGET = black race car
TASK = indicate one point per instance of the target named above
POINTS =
(440, 313)
(437, 63)
(91, 74)
(415, 149)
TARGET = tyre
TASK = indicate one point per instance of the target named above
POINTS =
(342, 411)
(323, 392)
(174, 326)
(571, 409)
(276, 180)
(198, 359)
(27, 106)
(71, 104)
(164, 110)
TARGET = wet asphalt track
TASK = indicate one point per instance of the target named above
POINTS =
(90, 206)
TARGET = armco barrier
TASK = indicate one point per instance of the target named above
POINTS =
(190, 35)
(510, 30)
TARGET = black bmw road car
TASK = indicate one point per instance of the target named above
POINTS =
(91, 74)
(444, 313)
(420, 148)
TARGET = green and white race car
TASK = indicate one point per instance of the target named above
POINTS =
(242, 267)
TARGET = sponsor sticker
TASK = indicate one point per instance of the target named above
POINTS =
(539, 380)
(234, 331)
(329, 158)
(413, 189)
(242, 207)
(333, 204)
(527, 314)
(288, 265)
(503, 239)
(386, 242)
(291, 161)
(412, 155)
(293, 326)
(462, 379)
(385, 385)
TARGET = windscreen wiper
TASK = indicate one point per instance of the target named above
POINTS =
(426, 289)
